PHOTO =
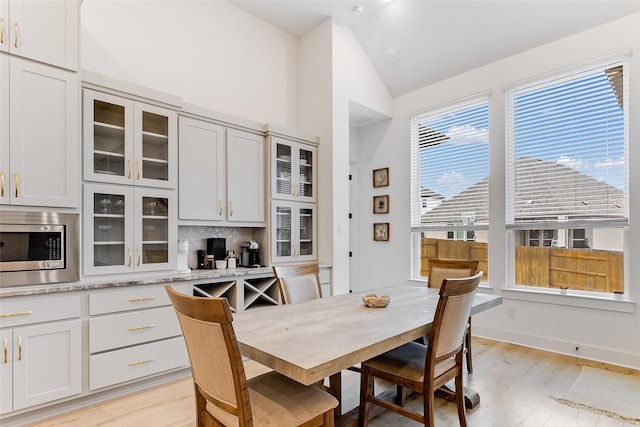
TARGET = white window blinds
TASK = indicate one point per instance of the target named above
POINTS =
(450, 167)
(566, 151)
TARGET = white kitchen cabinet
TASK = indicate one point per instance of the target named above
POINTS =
(221, 174)
(133, 333)
(39, 140)
(293, 170)
(41, 350)
(293, 231)
(128, 229)
(128, 142)
(45, 30)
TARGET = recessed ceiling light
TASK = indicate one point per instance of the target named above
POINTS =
(391, 53)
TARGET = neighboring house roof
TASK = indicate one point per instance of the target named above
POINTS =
(427, 192)
(543, 189)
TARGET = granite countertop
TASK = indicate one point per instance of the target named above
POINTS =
(144, 279)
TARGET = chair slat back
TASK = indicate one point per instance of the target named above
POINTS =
(298, 283)
(216, 362)
(445, 268)
(452, 312)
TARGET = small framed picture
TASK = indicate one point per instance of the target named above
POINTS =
(381, 204)
(381, 231)
(381, 177)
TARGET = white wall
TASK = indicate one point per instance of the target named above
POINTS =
(600, 334)
(334, 70)
(210, 53)
(354, 80)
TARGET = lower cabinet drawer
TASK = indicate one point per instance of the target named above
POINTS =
(127, 329)
(118, 366)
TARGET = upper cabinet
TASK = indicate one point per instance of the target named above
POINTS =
(221, 174)
(128, 141)
(293, 166)
(39, 134)
(45, 31)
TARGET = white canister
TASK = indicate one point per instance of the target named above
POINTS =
(231, 262)
(183, 254)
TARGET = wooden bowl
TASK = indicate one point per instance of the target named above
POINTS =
(375, 301)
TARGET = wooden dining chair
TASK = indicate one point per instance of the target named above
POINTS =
(443, 268)
(423, 368)
(224, 397)
(298, 283)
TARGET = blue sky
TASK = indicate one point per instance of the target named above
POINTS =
(576, 123)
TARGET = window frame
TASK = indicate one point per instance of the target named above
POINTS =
(593, 299)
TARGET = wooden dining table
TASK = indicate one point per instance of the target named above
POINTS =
(316, 339)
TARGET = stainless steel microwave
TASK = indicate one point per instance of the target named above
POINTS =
(38, 247)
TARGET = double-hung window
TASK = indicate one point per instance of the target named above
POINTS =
(450, 183)
(567, 179)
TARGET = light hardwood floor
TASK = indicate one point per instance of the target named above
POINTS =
(515, 384)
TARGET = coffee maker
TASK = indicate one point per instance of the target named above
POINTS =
(249, 256)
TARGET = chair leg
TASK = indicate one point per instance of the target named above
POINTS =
(366, 390)
(401, 395)
(328, 419)
(201, 404)
(467, 343)
(460, 401)
(428, 402)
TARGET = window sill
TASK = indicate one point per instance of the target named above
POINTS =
(599, 301)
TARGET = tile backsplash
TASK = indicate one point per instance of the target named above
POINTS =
(198, 235)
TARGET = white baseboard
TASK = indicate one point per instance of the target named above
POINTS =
(613, 357)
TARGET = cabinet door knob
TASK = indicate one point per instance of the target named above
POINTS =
(129, 169)
(1, 184)
(16, 30)
(129, 263)
(17, 181)
(230, 208)
(138, 252)
(19, 347)
(1, 30)
(138, 169)
(219, 207)
(6, 351)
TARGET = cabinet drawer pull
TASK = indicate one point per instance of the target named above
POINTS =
(230, 208)
(16, 28)
(19, 347)
(138, 252)
(20, 313)
(2, 184)
(219, 207)
(138, 169)
(139, 328)
(129, 263)
(17, 180)
(6, 351)
(128, 169)
(142, 362)
(141, 299)
(1, 31)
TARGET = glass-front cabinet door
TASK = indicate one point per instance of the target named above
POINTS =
(108, 229)
(155, 146)
(283, 231)
(156, 235)
(294, 236)
(294, 172)
(128, 229)
(108, 138)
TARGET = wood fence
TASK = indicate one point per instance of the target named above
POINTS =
(580, 269)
